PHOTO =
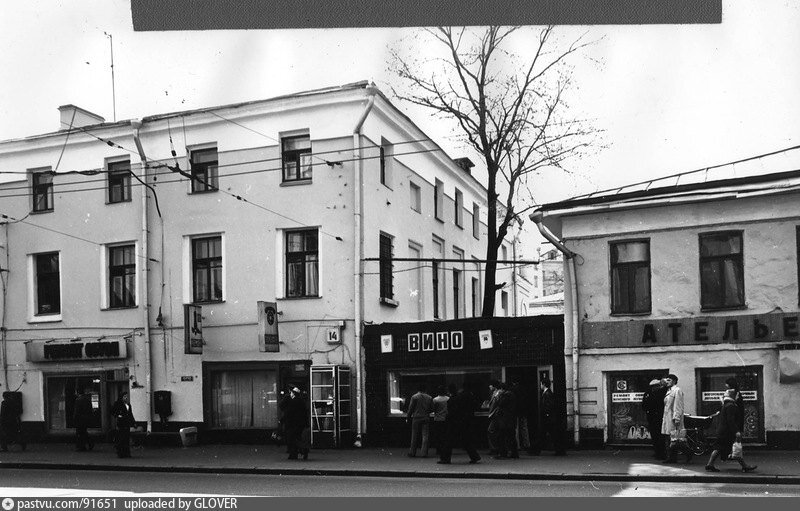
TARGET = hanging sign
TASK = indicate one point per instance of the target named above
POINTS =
(193, 329)
(386, 344)
(268, 327)
(485, 337)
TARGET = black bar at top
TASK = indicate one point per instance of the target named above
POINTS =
(158, 15)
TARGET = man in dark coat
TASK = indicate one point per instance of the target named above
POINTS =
(10, 424)
(124, 415)
(458, 426)
(295, 421)
(551, 423)
(506, 422)
(653, 406)
(82, 416)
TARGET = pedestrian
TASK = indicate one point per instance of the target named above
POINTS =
(522, 399)
(505, 422)
(728, 432)
(672, 426)
(439, 417)
(419, 410)
(295, 420)
(123, 413)
(460, 414)
(733, 384)
(653, 406)
(493, 429)
(82, 416)
(551, 423)
(10, 423)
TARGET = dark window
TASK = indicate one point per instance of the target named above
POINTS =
(459, 212)
(387, 279)
(435, 268)
(476, 222)
(383, 165)
(42, 185)
(797, 240)
(207, 269)
(122, 276)
(119, 181)
(296, 157)
(438, 198)
(476, 300)
(302, 263)
(204, 170)
(630, 277)
(456, 292)
(721, 270)
(48, 284)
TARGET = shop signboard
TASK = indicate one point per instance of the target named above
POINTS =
(193, 329)
(717, 396)
(627, 397)
(49, 351)
(430, 341)
(268, 328)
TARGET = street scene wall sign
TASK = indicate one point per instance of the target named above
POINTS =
(48, 351)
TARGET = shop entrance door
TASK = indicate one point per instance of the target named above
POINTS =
(711, 386)
(528, 378)
(627, 422)
(61, 393)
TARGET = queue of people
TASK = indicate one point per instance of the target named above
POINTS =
(663, 404)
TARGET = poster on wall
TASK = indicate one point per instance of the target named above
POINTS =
(485, 337)
(386, 344)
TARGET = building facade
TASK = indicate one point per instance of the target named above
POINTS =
(206, 260)
(697, 279)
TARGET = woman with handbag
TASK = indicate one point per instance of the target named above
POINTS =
(728, 434)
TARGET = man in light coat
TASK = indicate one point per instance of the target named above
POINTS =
(672, 423)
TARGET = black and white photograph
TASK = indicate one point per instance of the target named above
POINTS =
(409, 256)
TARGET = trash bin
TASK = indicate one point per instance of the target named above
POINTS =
(188, 436)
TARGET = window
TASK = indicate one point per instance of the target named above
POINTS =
(415, 284)
(797, 240)
(42, 190)
(243, 399)
(207, 269)
(459, 213)
(204, 170)
(630, 277)
(405, 383)
(48, 283)
(296, 158)
(438, 200)
(721, 270)
(458, 284)
(504, 302)
(416, 197)
(476, 297)
(386, 276)
(119, 181)
(122, 276)
(302, 263)
(503, 252)
(437, 277)
(476, 221)
(386, 155)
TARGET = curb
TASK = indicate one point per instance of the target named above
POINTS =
(517, 476)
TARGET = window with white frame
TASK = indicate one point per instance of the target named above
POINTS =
(42, 190)
(437, 273)
(504, 302)
(416, 197)
(119, 181)
(476, 297)
(721, 270)
(47, 281)
(122, 276)
(296, 158)
(203, 163)
(302, 263)
(207, 269)
(458, 284)
(459, 212)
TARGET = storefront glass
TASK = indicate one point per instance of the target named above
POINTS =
(711, 388)
(404, 383)
(243, 399)
(627, 422)
(61, 394)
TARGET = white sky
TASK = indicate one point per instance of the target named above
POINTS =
(670, 98)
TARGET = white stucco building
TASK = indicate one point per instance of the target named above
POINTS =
(692, 276)
(253, 214)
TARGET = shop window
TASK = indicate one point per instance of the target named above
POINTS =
(459, 212)
(404, 383)
(207, 269)
(302, 263)
(630, 277)
(296, 158)
(204, 170)
(244, 399)
(122, 276)
(721, 270)
(416, 197)
(627, 422)
(48, 283)
(61, 394)
(386, 269)
(119, 181)
(711, 388)
(42, 191)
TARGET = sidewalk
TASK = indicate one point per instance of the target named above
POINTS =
(774, 467)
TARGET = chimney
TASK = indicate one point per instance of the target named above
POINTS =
(465, 163)
(77, 117)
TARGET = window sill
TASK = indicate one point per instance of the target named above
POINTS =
(297, 182)
(211, 302)
(315, 297)
(46, 318)
(41, 211)
(203, 192)
(440, 219)
(389, 302)
(127, 201)
(132, 307)
(416, 210)
(723, 309)
(460, 226)
(623, 314)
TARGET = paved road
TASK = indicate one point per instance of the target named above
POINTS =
(94, 483)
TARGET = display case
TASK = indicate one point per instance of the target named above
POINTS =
(330, 405)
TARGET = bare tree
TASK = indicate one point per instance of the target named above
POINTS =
(511, 113)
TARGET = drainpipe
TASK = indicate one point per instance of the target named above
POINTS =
(569, 259)
(137, 125)
(358, 256)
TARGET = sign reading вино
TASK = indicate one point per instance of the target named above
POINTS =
(439, 341)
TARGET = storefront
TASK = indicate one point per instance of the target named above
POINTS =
(399, 357)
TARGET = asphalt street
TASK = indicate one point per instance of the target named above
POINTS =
(65, 483)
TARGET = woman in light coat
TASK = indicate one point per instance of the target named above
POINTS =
(672, 426)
